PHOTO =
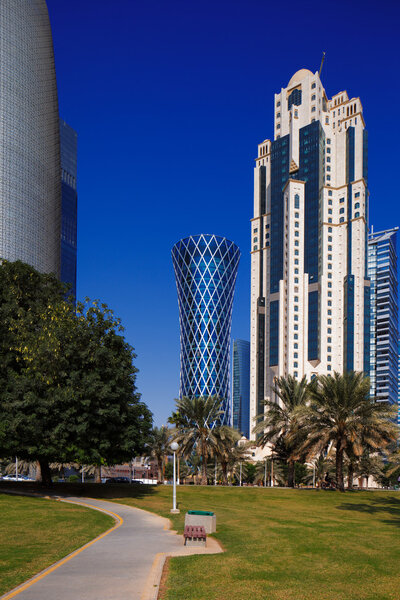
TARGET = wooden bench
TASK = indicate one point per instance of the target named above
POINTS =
(195, 533)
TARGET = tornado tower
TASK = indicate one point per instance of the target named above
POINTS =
(205, 271)
(30, 185)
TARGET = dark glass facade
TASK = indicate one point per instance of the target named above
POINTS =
(69, 148)
(241, 387)
(205, 271)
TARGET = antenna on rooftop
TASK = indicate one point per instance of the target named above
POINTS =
(322, 62)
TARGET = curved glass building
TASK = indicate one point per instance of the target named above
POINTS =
(205, 271)
(30, 185)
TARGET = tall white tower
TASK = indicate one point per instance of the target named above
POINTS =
(309, 285)
(30, 185)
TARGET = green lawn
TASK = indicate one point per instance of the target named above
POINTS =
(280, 544)
(288, 544)
(35, 533)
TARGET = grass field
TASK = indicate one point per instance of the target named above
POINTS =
(288, 544)
(35, 532)
(280, 544)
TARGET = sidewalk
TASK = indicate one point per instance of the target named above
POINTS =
(125, 564)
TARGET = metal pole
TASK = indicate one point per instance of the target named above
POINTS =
(240, 482)
(174, 491)
(272, 472)
(16, 468)
(178, 481)
(83, 474)
(215, 472)
(265, 473)
(313, 476)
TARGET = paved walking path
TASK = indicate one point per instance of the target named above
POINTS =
(125, 564)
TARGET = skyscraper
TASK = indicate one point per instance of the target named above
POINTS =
(382, 270)
(241, 387)
(309, 285)
(69, 148)
(205, 271)
(30, 187)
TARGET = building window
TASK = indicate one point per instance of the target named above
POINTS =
(328, 150)
(296, 280)
(357, 205)
(330, 192)
(328, 140)
(278, 104)
(341, 211)
(255, 230)
(296, 242)
(313, 86)
(295, 366)
(329, 238)
(296, 113)
(295, 355)
(295, 346)
(329, 322)
(329, 302)
(341, 220)
(296, 224)
(296, 252)
(330, 203)
(329, 368)
(329, 229)
(255, 240)
(297, 201)
(329, 358)
(297, 234)
(329, 349)
(328, 177)
(296, 215)
(278, 115)
(329, 284)
(255, 248)
(329, 248)
(357, 195)
(313, 109)
(278, 126)
(330, 211)
(296, 271)
(296, 335)
(329, 275)
(329, 311)
(330, 220)
(296, 317)
(357, 215)
(328, 168)
(296, 308)
(330, 266)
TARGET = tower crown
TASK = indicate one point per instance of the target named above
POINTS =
(298, 77)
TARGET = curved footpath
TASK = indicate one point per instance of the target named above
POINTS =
(124, 563)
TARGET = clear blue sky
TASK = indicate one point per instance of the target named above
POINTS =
(170, 99)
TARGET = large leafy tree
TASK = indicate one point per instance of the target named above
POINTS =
(67, 380)
(278, 424)
(198, 420)
(341, 413)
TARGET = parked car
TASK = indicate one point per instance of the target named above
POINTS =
(118, 480)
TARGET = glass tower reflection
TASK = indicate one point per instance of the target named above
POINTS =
(205, 271)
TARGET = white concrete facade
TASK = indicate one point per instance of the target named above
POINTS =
(335, 212)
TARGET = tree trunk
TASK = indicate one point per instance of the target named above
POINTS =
(97, 474)
(339, 466)
(350, 476)
(291, 473)
(224, 467)
(45, 474)
(160, 471)
(204, 456)
(366, 481)
(38, 476)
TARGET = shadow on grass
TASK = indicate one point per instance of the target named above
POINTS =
(377, 505)
(93, 490)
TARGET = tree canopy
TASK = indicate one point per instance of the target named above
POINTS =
(67, 376)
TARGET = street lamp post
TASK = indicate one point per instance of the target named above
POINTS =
(174, 448)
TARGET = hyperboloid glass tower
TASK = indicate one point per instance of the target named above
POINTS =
(205, 271)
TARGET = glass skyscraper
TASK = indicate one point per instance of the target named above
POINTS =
(205, 270)
(69, 148)
(382, 270)
(30, 187)
(241, 387)
(309, 285)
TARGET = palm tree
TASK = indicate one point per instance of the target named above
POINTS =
(158, 446)
(341, 412)
(198, 420)
(226, 450)
(279, 422)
